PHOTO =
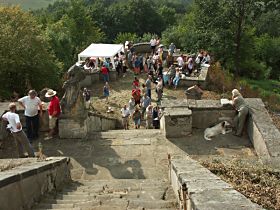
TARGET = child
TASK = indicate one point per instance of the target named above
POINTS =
(106, 91)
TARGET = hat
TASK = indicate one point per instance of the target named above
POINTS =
(50, 93)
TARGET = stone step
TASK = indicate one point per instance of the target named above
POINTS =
(120, 181)
(54, 206)
(158, 204)
(75, 208)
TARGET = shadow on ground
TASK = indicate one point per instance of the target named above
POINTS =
(92, 157)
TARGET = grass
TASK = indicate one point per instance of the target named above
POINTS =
(27, 4)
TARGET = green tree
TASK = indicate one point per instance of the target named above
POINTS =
(26, 60)
(71, 32)
(122, 37)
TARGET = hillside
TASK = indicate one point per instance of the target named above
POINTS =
(28, 4)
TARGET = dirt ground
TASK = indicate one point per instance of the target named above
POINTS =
(120, 93)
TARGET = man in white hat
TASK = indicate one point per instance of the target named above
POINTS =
(16, 129)
(54, 112)
(31, 104)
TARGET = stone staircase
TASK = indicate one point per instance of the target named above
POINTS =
(131, 173)
(112, 194)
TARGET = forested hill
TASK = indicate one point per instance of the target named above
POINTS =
(243, 35)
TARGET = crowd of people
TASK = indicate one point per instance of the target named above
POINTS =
(139, 107)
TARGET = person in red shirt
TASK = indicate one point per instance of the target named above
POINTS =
(136, 94)
(135, 83)
(105, 73)
(54, 112)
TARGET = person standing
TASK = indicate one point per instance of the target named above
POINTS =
(149, 86)
(131, 105)
(106, 91)
(153, 43)
(136, 116)
(146, 101)
(54, 113)
(159, 89)
(15, 127)
(125, 115)
(86, 95)
(105, 73)
(31, 104)
(149, 117)
(241, 107)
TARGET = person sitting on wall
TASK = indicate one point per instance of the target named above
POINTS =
(241, 107)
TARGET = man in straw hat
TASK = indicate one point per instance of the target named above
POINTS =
(31, 104)
(15, 127)
(54, 112)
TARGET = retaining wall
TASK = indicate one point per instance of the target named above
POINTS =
(22, 187)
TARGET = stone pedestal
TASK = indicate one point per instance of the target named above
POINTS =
(72, 129)
(177, 122)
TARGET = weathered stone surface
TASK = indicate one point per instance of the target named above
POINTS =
(206, 190)
(177, 122)
(72, 129)
(30, 180)
(261, 130)
(220, 199)
(167, 103)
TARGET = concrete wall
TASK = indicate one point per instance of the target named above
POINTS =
(205, 190)
(24, 185)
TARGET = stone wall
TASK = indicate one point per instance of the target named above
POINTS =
(201, 79)
(205, 191)
(23, 186)
(77, 129)
(94, 77)
(263, 134)
(176, 122)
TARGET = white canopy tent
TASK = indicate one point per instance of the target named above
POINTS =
(101, 50)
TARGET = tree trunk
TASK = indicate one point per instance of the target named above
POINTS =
(240, 20)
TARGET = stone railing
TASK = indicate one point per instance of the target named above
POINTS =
(23, 186)
(70, 128)
(203, 189)
(263, 134)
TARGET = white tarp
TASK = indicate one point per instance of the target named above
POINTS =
(101, 50)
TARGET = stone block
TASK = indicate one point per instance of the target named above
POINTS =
(177, 122)
(94, 124)
(72, 129)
